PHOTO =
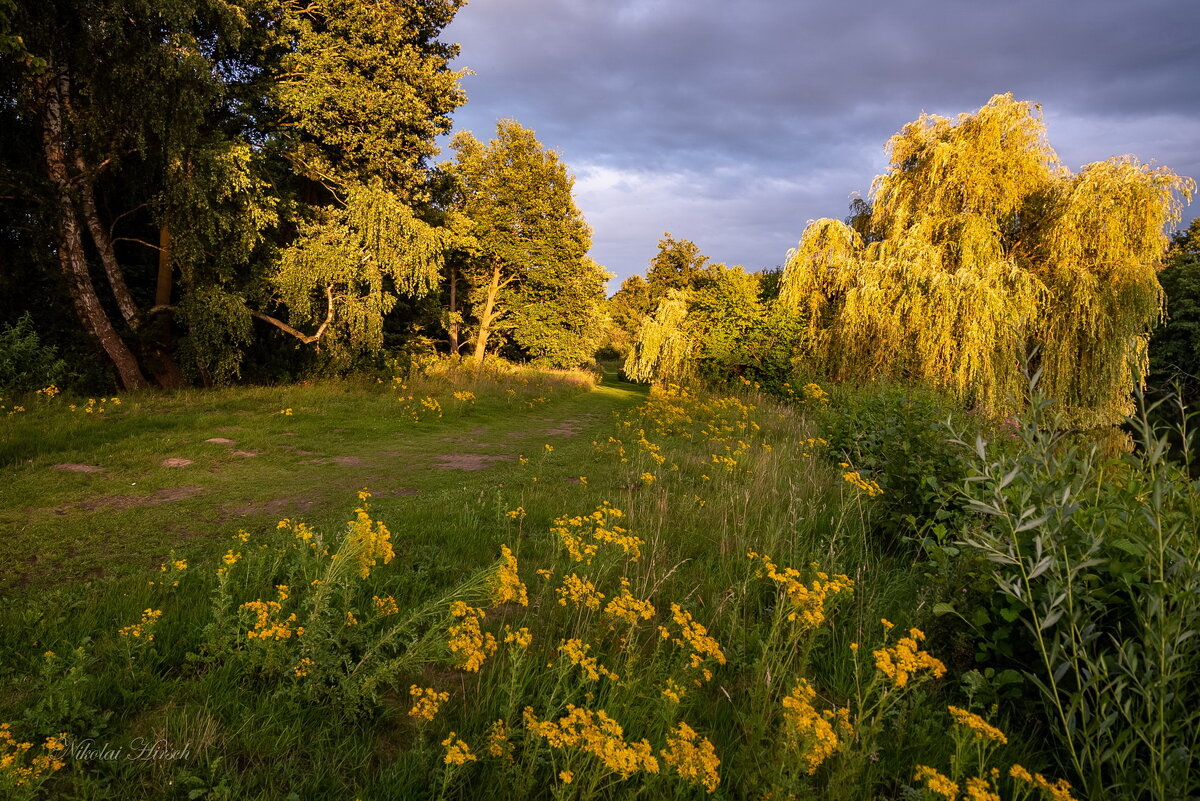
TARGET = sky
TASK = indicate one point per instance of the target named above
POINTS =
(733, 122)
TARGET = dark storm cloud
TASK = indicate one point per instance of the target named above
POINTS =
(732, 123)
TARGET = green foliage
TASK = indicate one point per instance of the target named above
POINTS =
(526, 266)
(26, 363)
(628, 309)
(898, 435)
(664, 351)
(717, 329)
(980, 246)
(219, 329)
(1098, 558)
(364, 89)
(677, 265)
(1175, 346)
(348, 262)
(270, 154)
(296, 615)
(557, 317)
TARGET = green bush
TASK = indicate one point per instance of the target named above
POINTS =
(1097, 558)
(897, 435)
(26, 364)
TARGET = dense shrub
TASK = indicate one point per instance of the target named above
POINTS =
(898, 435)
(1097, 558)
(26, 363)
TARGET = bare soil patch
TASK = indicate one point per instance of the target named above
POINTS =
(220, 441)
(468, 461)
(566, 428)
(78, 468)
(164, 495)
(275, 507)
(345, 461)
(245, 454)
(402, 492)
(175, 461)
(296, 450)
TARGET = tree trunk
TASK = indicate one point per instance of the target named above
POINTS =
(104, 246)
(50, 90)
(157, 328)
(453, 326)
(485, 319)
(162, 290)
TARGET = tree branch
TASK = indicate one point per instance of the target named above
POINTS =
(307, 339)
(137, 241)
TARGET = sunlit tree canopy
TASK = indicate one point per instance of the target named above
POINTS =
(983, 248)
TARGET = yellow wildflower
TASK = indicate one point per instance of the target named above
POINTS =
(576, 651)
(597, 734)
(267, 624)
(1059, 790)
(566, 776)
(814, 392)
(369, 541)
(457, 751)
(692, 757)
(521, 637)
(980, 790)
(143, 628)
(906, 658)
(506, 585)
(303, 667)
(582, 535)
(426, 702)
(385, 606)
(695, 636)
(579, 591)
(865, 484)
(498, 744)
(810, 732)
(472, 645)
(807, 601)
(936, 783)
(983, 729)
(627, 608)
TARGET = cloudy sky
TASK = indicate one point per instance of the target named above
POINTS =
(733, 122)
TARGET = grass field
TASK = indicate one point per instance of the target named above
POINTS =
(581, 591)
(124, 518)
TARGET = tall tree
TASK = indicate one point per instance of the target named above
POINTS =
(360, 93)
(677, 265)
(271, 154)
(982, 247)
(530, 239)
(98, 83)
(628, 309)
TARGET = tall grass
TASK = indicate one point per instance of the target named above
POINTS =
(703, 610)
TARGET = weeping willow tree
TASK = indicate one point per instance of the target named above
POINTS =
(664, 349)
(984, 248)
